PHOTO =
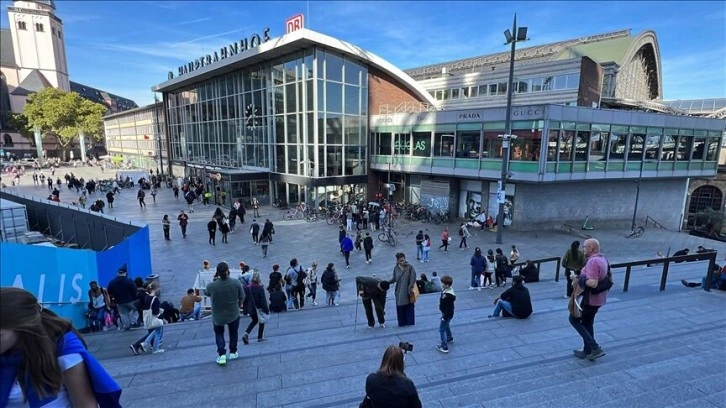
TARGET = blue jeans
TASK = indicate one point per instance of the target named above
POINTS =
(419, 251)
(502, 304)
(426, 254)
(233, 327)
(474, 279)
(195, 313)
(155, 336)
(445, 332)
(584, 327)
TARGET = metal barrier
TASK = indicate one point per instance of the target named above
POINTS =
(709, 256)
(538, 262)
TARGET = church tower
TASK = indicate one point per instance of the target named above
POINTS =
(38, 43)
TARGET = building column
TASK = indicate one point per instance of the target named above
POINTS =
(38, 145)
(82, 142)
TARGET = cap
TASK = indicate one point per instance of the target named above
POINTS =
(122, 269)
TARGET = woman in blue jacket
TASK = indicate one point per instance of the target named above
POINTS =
(478, 265)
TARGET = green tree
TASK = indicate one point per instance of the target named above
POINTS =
(63, 115)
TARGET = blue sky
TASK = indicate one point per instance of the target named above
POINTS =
(127, 47)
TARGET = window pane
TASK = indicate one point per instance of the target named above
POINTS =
(422, 144)
(597, 145)
(402, 144)
(291, 128)
(334, 161)
(334, 129)
(536, 84)
(334, 97)
(474, 91)
(455, 93)
(573, 81)
(502, 88)
(352, 100)
(352, 130)
(669, 148)
(444, 144)
(548, 83)
(482, 90)
(617, 146)
(309, 105)
(712, 152)
(652, 144)
(293, 166)
(290, 98)
(699, 147)
(581, 144)
(554, 136)
(566, 139)
(333, 67)
(280, 129)
(383, 143)
(636, 146)
(468, 145)
(560, 82)
(352, 73)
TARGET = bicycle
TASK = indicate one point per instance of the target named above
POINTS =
(387, 236)
(294, 213)
(636, 232)
(333, 219)
(311, 216)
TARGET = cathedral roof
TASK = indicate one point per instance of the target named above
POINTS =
(34, 82)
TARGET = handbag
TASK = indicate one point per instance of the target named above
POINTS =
(414, 294)
(151, 321)
(262, 317)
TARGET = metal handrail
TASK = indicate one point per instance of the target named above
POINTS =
(709, 256)
(538, 262)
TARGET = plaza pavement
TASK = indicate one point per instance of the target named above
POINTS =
(663, 348)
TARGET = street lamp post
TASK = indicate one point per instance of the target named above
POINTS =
(637, 195)
(158, 135)
(513, 37)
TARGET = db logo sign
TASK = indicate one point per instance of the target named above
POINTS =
(294, 23)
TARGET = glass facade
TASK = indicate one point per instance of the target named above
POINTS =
(301, 115)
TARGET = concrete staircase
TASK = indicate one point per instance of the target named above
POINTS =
(663, 349)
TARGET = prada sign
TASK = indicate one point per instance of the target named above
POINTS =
(223, 53)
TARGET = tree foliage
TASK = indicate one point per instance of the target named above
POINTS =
(63, 115)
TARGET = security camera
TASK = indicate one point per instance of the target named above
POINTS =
(508, 175)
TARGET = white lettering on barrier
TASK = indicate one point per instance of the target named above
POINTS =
(74, 283)
(61, 287)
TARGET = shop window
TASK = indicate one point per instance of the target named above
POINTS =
(383, 144)
(527, 145)
(553, 138)
(617, 146)
(699, 148)
(581, 144)
(422, 144)
(598, 145)
(468, 145)
(705, 197)
(444, 144)
(635, 150)
(567, 137)
(402, 144)
(712, 152)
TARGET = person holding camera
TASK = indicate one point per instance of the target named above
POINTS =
(373, 292)
(389, 386)
(404, 276)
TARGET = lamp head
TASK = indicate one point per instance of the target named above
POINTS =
(522, 34)
(508, 36)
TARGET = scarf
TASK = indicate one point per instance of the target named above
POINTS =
(104, 387)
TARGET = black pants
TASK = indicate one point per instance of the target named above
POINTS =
(224, 237)
(253, 323)
(445, 245)
(241, 218)
(256, 237)
(212, 237)
(406, 315)
(142, 204)
(184, 230)
(368, 254)
(379, 303)
(233, 327)
(166, 234)
(463, 243)
(298, 295)
(501, 277)
(347, 257)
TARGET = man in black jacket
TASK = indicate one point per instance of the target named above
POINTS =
(515, 301)
(373, 292)
(368, 247)
(123, 291)
(446, 307)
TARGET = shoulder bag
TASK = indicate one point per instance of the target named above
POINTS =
(151, 321)
(262, 317)
(414, 293)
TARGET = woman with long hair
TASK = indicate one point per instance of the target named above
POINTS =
(573, 261)
(152, 302)
(255, 300)
(389, 386)
(43, 359)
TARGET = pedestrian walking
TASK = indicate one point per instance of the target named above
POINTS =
(404, 276)
(312, 282)
(140, 196)
(166, 225)
(227, 298)
(331, 284)
(110, 198)
(595, 271)
(478, 266)
(255, 302)
(255, 231)
(224, 230)
(183, 222)
(501, 268)
(366, 216)
(175, 189)
(269, 227)
(445, 240)
(232, 219)
(446, 307)
(419, 245)
(264, 243)
(212, 229)
(348, 221)
(153, 194)
(573, 261)
(464, 234)
(346, 245)
(368, 247)
(241, 212)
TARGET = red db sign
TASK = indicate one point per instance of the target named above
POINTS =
(294, 23)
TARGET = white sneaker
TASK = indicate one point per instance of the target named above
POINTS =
(478, 289)
(158, 351)
(222, 360)
(233, 356)
(382, 325)
(471, 288)
(315, 303)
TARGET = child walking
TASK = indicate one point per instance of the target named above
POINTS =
(446, 306)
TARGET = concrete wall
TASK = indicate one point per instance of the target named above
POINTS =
(608, 202)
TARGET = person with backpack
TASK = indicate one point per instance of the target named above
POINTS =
(464, 234)
(98, 305)
(331, 284)
(294, 279)
(594, 272)
(368, 247)
(502, 266)
(190, 196)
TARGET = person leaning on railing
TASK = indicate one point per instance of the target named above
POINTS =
(573, 261)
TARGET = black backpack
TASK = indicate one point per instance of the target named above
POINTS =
(461, 232)
(301, 275)
(502, 263)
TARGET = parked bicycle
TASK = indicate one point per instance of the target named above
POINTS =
(333, 219)
(636, 232)
(280, 204)
(311, 216)
(388, 236)
(295, 213)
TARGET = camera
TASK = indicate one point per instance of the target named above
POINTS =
(405, 346)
